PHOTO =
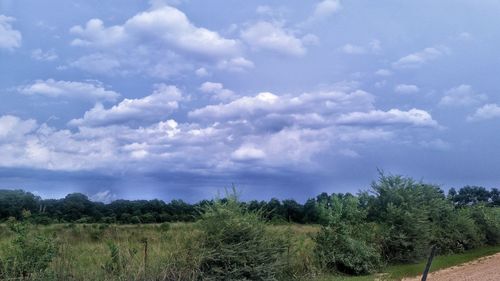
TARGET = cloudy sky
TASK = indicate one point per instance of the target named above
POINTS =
(181, 98)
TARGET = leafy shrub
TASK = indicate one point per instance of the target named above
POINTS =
(108, 220)
(404, 209)
(404, 236)
(338, 249)
(29, 255)
(85, 219)
(488, 220)
(114, 263)
(148, 218)
(165, 227)
(42, 220)
(135, 220)
(236, 244)
(455, 231)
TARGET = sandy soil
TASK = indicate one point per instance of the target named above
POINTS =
(483, 269)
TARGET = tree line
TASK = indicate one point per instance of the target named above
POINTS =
(78, 208)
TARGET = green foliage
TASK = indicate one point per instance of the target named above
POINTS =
(454, 230)
(299, 260)
(115, 262)
(344, 243)
(14, 202)
(340, 249)
(236, 244)
(78, 208)
(404, 209)
(28, 255)
(135, 220)
(471, 195)
(488, 220)
(165, 227)
(42, 220)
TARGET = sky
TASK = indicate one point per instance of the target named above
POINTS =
(184, 98)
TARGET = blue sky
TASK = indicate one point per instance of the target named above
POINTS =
(180, 99)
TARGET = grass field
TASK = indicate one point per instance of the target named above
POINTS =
(117, 252)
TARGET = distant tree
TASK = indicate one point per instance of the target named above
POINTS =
(452, 193)
(274, 210)
(148, 218)
(471, 195)
(311, 212)
(135, 220)
(13, 202)
(323, 198)
(495, 197)
(75, 206)
(293, 211)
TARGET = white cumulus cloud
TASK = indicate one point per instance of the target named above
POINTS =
(165, 25)
(413, 117)
(326, 8)
(422, 57)
(487, 111)
(274, 37)
(218, 91)
(9, 37)
(248, 153)
(462, 95)
(92, 91)
(154, 107)
(12, 127)
(160, 42)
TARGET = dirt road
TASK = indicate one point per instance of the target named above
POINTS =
(483, 269)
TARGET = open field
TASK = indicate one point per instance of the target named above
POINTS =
(117, 252)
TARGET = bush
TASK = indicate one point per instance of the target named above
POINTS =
(115, 263)
(488, 220)
(404, 209)
(148, 218)
(135, 220)
(455, 231)
(108, 220)
(338, 249)
(42, 220)
(28, 256)
(165, 227)
(236, 244)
